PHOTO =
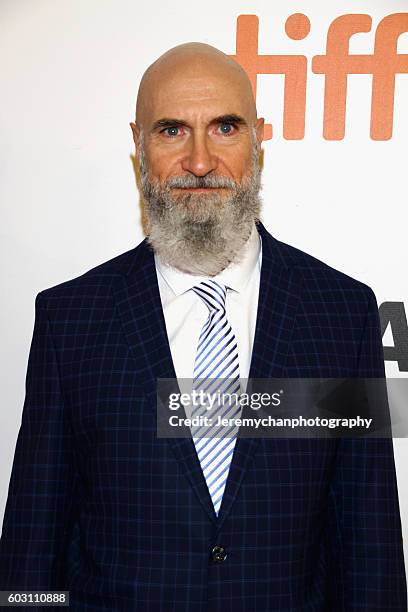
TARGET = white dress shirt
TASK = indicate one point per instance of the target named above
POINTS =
(185, 313)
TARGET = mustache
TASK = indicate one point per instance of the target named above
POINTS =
(199, 182)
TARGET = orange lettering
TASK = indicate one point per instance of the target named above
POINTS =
(292, 66)
(337, 64)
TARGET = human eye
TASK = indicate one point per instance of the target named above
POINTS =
(171, 131)
(227, 128)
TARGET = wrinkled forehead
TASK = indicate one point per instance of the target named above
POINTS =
(196, 91)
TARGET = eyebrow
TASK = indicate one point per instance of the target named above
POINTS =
(166, 122)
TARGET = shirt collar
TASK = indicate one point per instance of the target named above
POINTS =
(235, 275)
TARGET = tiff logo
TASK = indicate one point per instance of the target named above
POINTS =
(336, 65)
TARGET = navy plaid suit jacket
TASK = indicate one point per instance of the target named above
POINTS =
(99, 506)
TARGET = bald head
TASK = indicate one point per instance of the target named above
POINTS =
(192, 70)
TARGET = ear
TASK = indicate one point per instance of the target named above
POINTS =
(136, 134)
(259, 126)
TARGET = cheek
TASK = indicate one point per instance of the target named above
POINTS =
(238, 164)
(162, 165)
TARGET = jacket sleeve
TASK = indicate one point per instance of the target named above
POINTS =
(43, 480)
(365, 541)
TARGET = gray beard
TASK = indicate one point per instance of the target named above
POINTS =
(200, 234)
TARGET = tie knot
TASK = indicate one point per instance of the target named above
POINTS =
(212, 293)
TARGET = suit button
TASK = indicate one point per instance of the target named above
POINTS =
(218, 554)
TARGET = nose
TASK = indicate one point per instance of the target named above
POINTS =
(199, 159)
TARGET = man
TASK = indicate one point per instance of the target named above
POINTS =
(101, 506)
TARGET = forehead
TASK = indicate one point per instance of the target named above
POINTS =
(197, 97)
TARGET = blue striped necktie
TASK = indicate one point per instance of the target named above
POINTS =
(216, 370)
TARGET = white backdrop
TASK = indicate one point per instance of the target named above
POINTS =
(69, 76)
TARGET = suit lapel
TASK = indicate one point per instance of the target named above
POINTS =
(138, 302)
(279, 293)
